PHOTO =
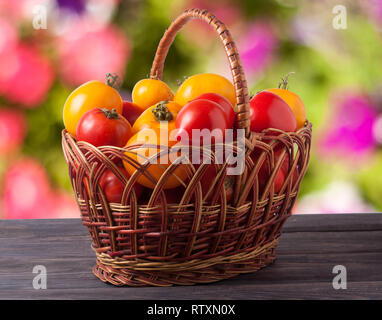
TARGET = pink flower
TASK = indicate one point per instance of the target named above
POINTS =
(377, 129)
(12, 9)
(28, 75)
(257, 47)
(26, 191)
(227, 12)
(65, 206)
(350, 131)
(373, 9)
(20, 10)
(337, 197)
(27, 194)
(87, 53)
(8, 35)
(12, 130)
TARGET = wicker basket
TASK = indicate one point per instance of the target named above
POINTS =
(194, 241)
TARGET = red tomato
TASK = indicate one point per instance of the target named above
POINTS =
(224, 103)
(131, 111)
(267, 110)
(102, 127)
(113, 187)
(201, 114)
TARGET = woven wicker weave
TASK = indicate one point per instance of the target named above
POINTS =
(194, 241)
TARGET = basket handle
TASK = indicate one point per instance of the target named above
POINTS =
(239, 81)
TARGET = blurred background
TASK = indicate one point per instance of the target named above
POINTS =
(335, 52)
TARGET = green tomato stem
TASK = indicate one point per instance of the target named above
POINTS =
(161, 112)
(284, 81)
(110, 114)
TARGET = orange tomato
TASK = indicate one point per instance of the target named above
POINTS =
(90, 95)
(199, 84)
(293, 100)
(161, 115)
(148, 143)
(148, 92)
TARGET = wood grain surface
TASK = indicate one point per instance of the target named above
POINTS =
(311, 245)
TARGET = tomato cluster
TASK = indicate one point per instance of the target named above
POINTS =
(157, 119)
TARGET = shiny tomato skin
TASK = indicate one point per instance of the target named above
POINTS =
(294, 102)
(201, 114)
(148, 92)
(97, 128)
(113, 187)
(131, 111)
(90, 95)
(198, 84)
(268, 110)
(224, 103)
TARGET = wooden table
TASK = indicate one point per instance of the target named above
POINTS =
(309, 248)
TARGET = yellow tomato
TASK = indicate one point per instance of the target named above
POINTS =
(146, 144)
(90, 95)
(148, 92)
(162, 115)
(294, 102)
(198, 84)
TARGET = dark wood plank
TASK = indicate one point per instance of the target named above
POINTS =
(317, 291)
(288, 269)
(333, 222)
(306, 255)
(331, 242)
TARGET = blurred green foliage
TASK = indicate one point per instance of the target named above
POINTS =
(146, 28)
(43, 140)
